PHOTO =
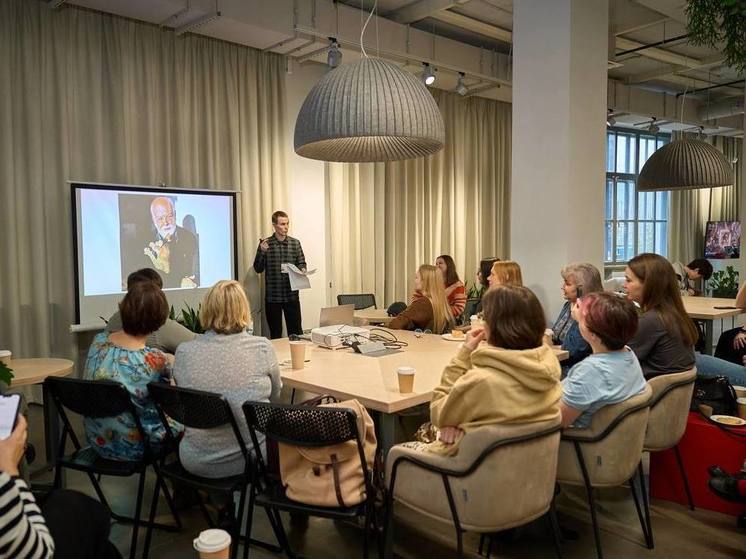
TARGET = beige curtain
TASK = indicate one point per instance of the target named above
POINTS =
(387, 219)
(93, 97)
(691, 209)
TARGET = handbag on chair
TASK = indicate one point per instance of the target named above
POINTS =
(330, 476)
(713, 396)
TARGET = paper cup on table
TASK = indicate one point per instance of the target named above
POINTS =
(298, 354)
(740, 390)
(406, 379)
(741, 408)
(5, 356)
(213, 544)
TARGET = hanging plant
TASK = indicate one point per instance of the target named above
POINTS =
(714, 22)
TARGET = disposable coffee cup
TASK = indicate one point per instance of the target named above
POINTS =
(741, 408)
(475, 321)
(298, 354)
(406, 379)
(213, 544)
(740, 390)
(5, 356)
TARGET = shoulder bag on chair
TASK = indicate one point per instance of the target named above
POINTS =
(713, 395)
(330, 476)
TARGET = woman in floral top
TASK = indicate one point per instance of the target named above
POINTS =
(123, 357)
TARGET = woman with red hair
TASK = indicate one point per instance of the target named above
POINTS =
(612, 373)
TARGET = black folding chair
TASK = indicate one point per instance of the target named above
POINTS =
(360, 300)
(305, 426)
(101, 399)
(197, 409)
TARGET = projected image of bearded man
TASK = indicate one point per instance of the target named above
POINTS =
(174, 251)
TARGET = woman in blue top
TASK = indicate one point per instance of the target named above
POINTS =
(123, 357)
(577, 278)
(611, 374)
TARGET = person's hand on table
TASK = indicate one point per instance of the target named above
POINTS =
(739, 342)
(263, 245)
(474, 337)
(450, 434)
(12, 448)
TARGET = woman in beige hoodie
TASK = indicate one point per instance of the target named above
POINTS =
(503, 373)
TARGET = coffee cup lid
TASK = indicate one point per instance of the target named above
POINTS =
(212, 540)
(741, 400)
(405, 370)
(5, 352)
(297, 342)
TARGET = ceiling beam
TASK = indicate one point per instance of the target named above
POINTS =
(464, 22)
(421, 9)
(669, 69)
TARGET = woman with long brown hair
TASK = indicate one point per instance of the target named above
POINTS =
(431, 311)
(665, 337)
(454, 287)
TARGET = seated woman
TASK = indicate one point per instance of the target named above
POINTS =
(227, 360)
(430, 311)
(579, 279)
(505, 272)
(483, 274)
(611, 374)
(665, 338)
(511, 378)
(732, 343)
(455, 290)
(124, 357)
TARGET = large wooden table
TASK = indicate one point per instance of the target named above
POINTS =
(373, 380)
(34, 371)
(703, 308)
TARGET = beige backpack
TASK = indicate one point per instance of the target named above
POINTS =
(330, 476)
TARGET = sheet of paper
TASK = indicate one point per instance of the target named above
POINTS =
(299, 279)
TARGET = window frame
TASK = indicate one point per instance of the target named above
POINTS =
(615, 177)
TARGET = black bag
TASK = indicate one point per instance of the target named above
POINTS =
(715, 393)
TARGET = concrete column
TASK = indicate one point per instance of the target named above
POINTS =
(559, 145)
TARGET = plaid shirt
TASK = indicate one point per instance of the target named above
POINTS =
(277, 284)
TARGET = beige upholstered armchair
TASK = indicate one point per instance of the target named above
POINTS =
(608, 453)
(669, 410)
(503, 476)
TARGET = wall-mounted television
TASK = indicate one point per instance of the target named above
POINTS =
(723, 239)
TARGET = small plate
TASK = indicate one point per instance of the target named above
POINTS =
(450, 338)
(728, 420)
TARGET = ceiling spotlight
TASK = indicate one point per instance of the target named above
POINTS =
(428, 75)
(335, 55)
(461, 88)
(610, 120)
(653, 128)
(702, 136)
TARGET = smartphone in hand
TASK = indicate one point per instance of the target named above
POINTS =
(9, 406)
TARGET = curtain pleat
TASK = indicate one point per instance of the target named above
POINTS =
(93, 97)
(388, 218)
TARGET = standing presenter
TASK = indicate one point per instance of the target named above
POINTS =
(272, 257)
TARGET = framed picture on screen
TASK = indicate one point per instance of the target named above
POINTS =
(723, 239)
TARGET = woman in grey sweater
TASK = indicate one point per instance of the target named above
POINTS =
(227, 360)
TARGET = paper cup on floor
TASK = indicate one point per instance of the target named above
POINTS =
(740, 390)
(213, 544)
(741, 408)
(298, 354)
(5, 356)
(406, 379)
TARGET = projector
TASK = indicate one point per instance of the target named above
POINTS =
(333, 337)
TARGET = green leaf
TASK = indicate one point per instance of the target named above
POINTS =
(6, 373)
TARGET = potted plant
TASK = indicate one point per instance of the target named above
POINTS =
(473, 291)
(6, 374)
(719, 24)
(724, 283)
(189, 318)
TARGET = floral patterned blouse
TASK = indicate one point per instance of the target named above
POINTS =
(117, 438)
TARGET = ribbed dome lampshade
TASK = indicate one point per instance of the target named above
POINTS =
(370, 110)
(685, 164)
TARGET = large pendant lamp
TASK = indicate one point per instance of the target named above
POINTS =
(685, 164)
(369, 110)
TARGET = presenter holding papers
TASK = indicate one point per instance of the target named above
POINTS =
(279, 256)
(173, 252)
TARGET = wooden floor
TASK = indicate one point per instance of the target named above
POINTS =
(679, 533)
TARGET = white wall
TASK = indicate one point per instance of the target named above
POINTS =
(307, 203)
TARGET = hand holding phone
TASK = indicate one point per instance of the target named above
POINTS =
(13, 447)
(8, 414)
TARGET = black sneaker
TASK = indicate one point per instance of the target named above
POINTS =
(726, 488)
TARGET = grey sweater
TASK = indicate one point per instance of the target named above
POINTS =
(239, 366)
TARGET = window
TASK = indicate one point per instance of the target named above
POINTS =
(636, 222)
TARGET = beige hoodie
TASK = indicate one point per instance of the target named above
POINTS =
(491, 385)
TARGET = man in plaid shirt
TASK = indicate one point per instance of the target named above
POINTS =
(271, 256)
